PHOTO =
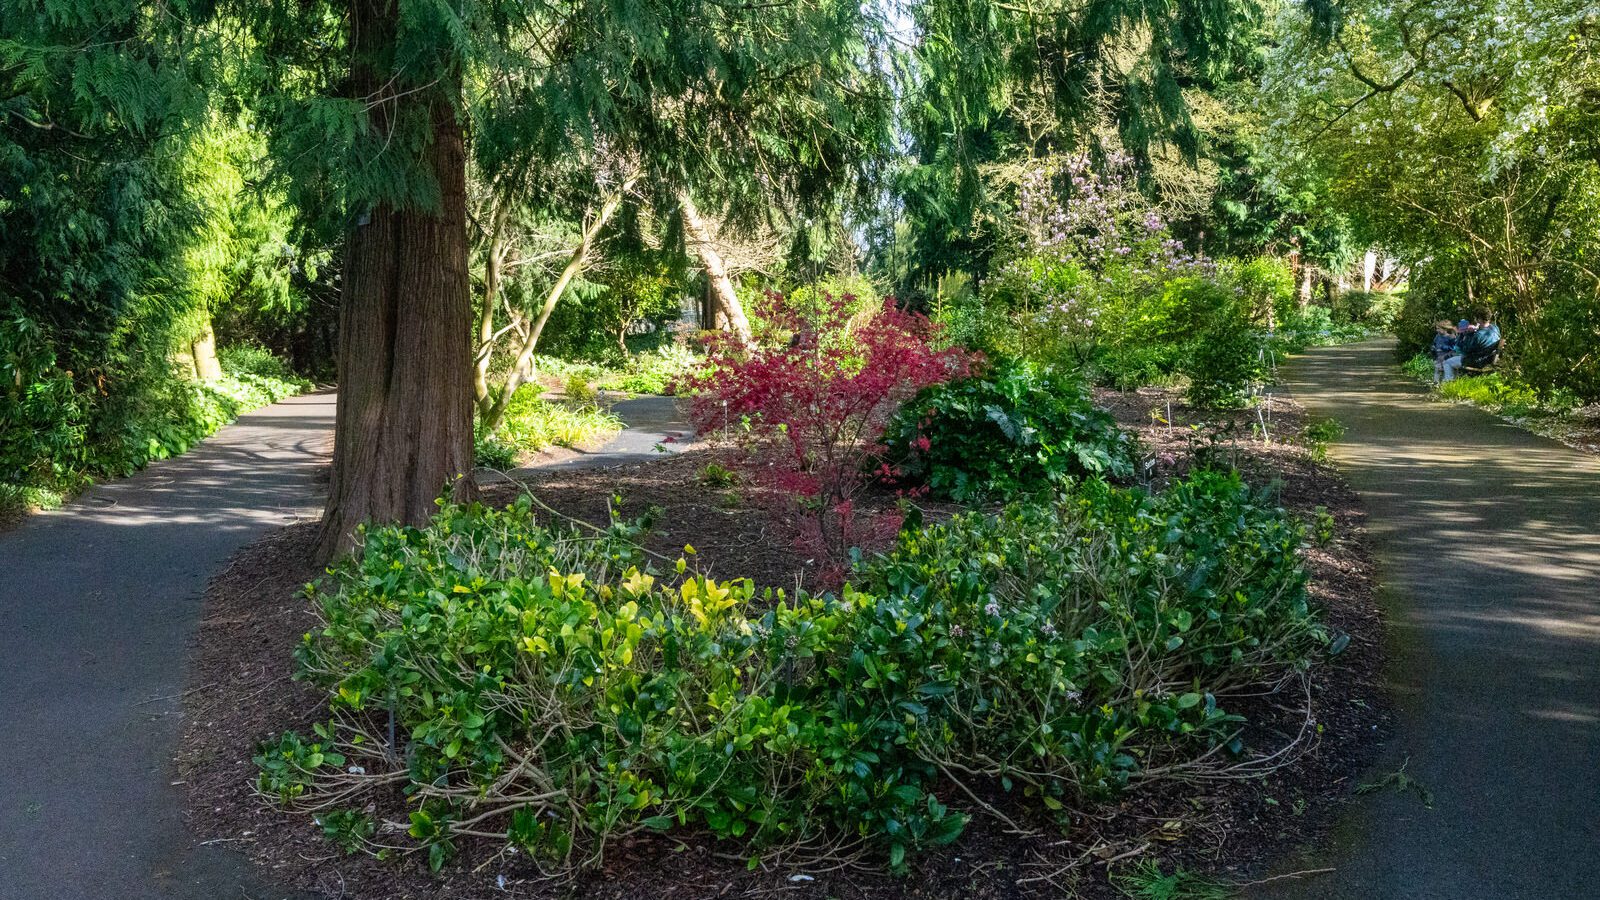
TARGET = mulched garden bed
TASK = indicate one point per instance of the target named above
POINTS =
(1233, 829)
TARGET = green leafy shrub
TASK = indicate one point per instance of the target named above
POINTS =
(1265, 285)
(816, 303)
(547, 687)
(1225, 360)
(593, 319)
(290, 764)
(1553, 349)
(1020, 426)
(351, 830)
(579, 392)
(1313, 326)
(1321, 433)
(51, 449)
(718, 476)
(187, 412)
(493, 453)
(1323, 526)
(1087, 639)
(254, 359)
(1372, 309)
(657, 372)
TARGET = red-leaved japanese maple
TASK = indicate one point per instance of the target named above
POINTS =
(818, 390)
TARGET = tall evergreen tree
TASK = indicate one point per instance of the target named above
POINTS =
(375, 102)
(994, 83)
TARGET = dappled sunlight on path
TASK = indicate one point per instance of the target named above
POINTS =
(98, 602)
(1488, 542)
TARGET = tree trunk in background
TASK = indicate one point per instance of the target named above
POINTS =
(403, 432)
(493, 409)
(493, 267)
(204, 350)
(727, 298)
(1303, 295)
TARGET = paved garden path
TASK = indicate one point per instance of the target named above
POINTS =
(1488, 541)
(98, 603)
(655, 426)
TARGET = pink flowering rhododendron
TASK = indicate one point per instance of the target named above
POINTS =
(818, 393)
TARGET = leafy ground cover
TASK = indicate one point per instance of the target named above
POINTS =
(1554, 414)
(1169, 821)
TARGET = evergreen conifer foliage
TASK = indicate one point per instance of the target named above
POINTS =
(376, 105)
(997, 83)
(94, 219)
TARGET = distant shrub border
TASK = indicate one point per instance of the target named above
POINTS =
(56, 462)
(553, 691)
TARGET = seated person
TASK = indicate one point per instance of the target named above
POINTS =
(1444, 347)
(1480, 349)
(1477, 349)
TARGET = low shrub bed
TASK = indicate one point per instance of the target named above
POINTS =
(495, 678)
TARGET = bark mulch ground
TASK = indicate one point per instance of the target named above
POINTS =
(1230, 829)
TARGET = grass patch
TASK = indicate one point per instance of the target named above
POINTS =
(533, 424)
(1146, 881)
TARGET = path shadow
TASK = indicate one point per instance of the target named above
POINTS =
(1488, 543)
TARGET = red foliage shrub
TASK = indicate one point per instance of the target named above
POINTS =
(818, 394)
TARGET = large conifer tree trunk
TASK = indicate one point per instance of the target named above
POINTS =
(403, 431)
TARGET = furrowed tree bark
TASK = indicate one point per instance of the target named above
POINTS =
(727, 299)
(403, 429)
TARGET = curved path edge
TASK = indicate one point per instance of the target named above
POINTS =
(1488, 545)
(99, 601)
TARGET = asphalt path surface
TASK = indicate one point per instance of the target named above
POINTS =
(1488, 546)
(98, 604)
